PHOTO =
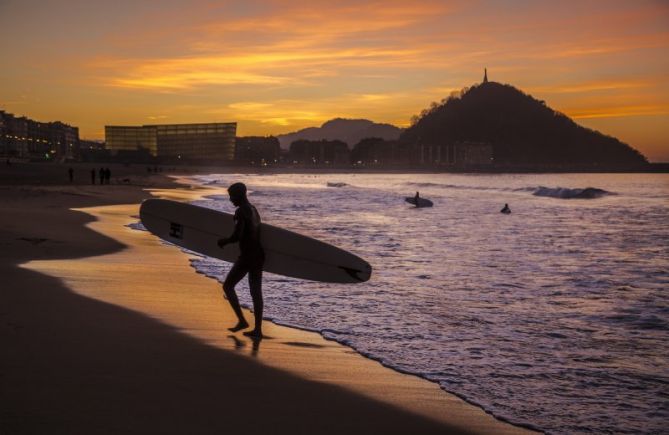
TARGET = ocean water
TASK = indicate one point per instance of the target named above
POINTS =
(554, 317)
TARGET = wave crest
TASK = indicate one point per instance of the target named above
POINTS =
(552, 192)
(566, 193)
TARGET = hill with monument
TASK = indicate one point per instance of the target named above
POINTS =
(521, 130)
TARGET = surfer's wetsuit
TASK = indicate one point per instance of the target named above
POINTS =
(250, 260)
(247, 233)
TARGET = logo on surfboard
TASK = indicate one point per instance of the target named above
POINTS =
(176, 230)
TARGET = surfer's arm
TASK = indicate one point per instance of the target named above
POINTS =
(236, 234)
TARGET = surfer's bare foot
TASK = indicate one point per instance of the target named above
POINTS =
(239, 326)
(255, 333)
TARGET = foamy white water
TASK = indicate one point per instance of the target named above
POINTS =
(555, 316)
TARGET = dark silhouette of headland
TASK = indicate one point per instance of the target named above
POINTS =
(520, 130)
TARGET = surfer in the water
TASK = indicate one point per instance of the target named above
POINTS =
(251, 259)
(506, 209)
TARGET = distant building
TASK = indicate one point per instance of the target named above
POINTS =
(66, 140)
(21, 137)
(473, 153)
(323, 152)
(130, 138)
(459, 154)
(92, 151)
(213, 141)
(257, 150)
(96, 145)
(379, 152)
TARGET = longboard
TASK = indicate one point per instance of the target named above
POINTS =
(286, 252)
(422, 202)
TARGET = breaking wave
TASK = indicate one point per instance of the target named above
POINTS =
(552, 192)
(566, 193)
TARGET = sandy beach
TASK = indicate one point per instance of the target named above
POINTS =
(105, 329)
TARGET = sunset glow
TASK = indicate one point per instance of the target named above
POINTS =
(277, 66)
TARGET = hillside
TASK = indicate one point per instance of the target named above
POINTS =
(350, 131)
(521, 129)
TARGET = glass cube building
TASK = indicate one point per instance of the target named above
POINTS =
(213, 141)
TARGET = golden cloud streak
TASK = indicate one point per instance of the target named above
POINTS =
(286, 44)
(285, 67)
(595, 86)
(185, 80)
(619, 112)
(342, 19)
(299, 113)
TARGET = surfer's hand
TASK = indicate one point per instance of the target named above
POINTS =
(222, 242)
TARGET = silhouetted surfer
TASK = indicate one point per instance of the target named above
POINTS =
(251, 259)
(506, 209)
(416, 198)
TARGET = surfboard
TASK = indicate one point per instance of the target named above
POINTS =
(422, 202)
(287, 253)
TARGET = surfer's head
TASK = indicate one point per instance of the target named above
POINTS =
(237, 193)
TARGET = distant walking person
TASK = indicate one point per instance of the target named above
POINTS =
(101, 175)
(70, 173)
(93, 176)
(250, 261)
(506, 209)
(107, 175)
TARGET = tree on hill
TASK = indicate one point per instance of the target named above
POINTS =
(521, 129)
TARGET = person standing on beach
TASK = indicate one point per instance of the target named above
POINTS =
(70, 173)
(250, 261)
(101, 175)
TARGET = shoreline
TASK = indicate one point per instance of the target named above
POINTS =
(194, 314)
(184, 182)
(57, 172)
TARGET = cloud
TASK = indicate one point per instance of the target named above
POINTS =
(292, 45)
(595, 86)
(618, 112)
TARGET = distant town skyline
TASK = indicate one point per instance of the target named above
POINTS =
(278, 66)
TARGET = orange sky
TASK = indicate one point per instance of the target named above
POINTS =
(276, 66)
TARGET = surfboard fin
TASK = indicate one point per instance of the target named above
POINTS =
(353, 273)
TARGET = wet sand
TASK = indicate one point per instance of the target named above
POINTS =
(105, 329)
